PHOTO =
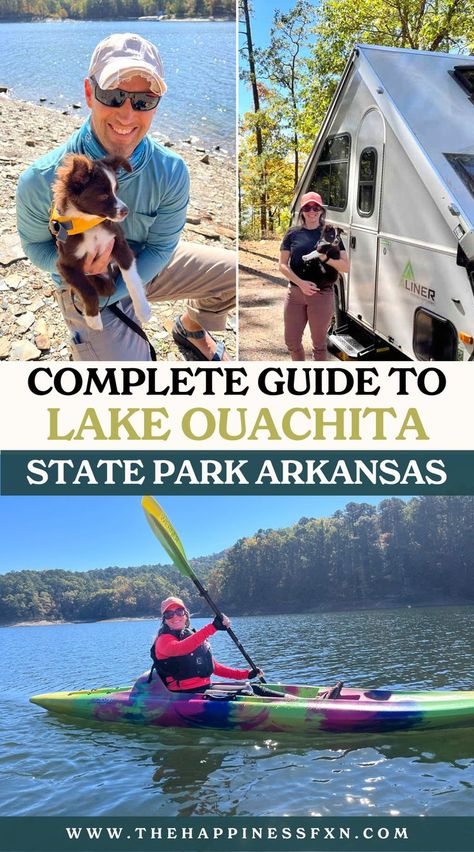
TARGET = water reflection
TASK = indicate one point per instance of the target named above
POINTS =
(190, 772)
(54, 765)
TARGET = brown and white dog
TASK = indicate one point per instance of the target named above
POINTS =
(85, 216)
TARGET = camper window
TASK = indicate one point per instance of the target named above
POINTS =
(331, 175)
(463, 165)
(464, 74)
(367, 175)
(434, 338)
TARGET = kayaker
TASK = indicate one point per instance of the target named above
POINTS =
(182, 656)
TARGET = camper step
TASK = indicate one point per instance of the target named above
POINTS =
(348, 344)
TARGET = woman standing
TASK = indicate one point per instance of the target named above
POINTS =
(309, 300)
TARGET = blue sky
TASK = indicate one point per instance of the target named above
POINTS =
(260, 24)
(81, 533)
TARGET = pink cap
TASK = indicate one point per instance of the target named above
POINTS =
(312, 196)
(169, 602)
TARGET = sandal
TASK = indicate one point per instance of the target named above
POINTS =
(183, 337)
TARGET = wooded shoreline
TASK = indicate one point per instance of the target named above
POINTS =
(397, 554)
(386, 607)
(116, 10)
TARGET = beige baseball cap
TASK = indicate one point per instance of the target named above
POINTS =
(123, 55)
(172, 601)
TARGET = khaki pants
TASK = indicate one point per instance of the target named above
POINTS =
(205, 276)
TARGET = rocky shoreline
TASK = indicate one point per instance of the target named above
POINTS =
(32, 327)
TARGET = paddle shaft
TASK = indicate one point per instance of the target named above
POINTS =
(202, 591)
(166, 534)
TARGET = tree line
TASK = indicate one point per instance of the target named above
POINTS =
(414, 552)
(292, 82)
(114, 9)
(101, 594)
(399, 552)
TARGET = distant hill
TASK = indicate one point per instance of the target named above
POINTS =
(415, 552)
(58, 595)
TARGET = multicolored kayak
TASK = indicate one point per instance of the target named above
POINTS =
(288, 708)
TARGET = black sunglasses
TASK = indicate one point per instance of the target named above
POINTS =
(140, 101)
(311, 207)
(170, 613)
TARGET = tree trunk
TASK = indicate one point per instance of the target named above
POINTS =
(256, 105)
(297, 163)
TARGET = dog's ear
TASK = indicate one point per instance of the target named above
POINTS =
(116, 163)
(71, 177)
(75, 172)
(328, 232)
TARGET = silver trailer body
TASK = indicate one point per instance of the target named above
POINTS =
(394, 160)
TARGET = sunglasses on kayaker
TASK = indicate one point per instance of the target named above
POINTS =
(170, 613)
(311, 208)
(140, 101)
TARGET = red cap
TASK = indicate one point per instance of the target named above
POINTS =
(312, 196)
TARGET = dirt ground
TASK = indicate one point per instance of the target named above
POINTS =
(262, 291)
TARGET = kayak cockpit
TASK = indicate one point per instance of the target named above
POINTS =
(243, 690)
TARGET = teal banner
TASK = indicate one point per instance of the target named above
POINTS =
(256, 472)
(236, 834)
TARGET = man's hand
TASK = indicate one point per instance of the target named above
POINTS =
(96, 264)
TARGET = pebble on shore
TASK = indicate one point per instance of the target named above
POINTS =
(31, 325)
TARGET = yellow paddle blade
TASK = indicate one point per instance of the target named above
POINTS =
(166, 535)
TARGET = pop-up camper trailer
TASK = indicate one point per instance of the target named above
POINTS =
(394, 161)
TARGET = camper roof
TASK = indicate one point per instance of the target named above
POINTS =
(431, 110)
(435, 105)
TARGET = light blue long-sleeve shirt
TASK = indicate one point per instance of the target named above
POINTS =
(156, 192)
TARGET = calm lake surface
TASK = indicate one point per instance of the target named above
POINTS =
(51, 59)
(54, 766)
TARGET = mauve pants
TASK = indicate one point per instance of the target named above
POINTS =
(316, 310)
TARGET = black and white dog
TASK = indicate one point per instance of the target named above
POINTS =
(85, 216)
(328, 246)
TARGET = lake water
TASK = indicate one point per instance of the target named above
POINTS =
(51, 59)
(54, 766)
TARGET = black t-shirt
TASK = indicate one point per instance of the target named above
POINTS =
(299, 241)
